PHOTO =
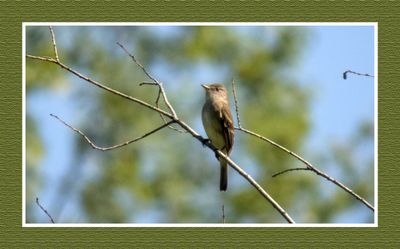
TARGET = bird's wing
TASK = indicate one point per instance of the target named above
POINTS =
(227, 128)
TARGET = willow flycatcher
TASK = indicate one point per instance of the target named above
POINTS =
(218, 123)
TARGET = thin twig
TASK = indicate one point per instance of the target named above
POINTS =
(288, 170)
(44, 210)
(53, 40)
(158, 104)
(155, 82)
(148, 83)
(114, 146)
(170, 126)
(308, 164)
(152, 78)
(356, 73)
(43, 58)
(236, 103)
(223, 213)
(138, 63)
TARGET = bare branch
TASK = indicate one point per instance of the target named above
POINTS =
(158, 104)
(236, 103)
(56, 61)
(123, 95)
(138, 63)
(148, 83)
(223, 213)
(54, 43)
(361, 74)
(288, 170)
(170, 126)
(44, 210)
(114, 146)
(155, 82)
(42, 58)
(153, 79)
(308, 164)
(341, 185)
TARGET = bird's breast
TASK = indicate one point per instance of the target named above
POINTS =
(212, 125)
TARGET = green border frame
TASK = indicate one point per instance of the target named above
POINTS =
(12, 14)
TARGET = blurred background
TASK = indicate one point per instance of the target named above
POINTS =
(290, 89)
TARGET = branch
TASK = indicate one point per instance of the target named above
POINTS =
(361, 74)
(288, 170)
(223, 213)
(44, 210)
(160, 90)
(53, 40)
(308, 164)
(174, 119)
(155, 82)
(87, 79)
(236, 103)
(114, 146)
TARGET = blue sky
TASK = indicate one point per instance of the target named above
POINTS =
(338, 106)
(351, 98)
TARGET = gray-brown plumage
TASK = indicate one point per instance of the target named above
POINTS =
(218, 123)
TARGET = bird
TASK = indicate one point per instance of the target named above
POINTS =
(218, 124)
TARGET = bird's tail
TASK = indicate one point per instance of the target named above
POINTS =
(223, 181)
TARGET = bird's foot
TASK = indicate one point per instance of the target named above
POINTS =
(205, 141)
(216, 155)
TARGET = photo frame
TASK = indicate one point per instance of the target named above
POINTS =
(381, 236)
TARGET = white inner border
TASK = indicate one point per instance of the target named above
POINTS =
(374, 24)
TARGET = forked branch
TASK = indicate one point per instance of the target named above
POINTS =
(161, 91)
(94, 146)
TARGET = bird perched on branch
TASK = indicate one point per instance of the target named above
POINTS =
(218, 124)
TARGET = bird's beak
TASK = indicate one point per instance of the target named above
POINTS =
(205, 87)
